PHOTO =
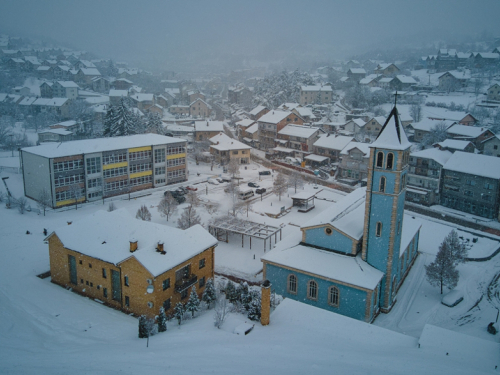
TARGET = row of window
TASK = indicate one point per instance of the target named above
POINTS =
(159, 171)
(114, 172)
(176, 162)
(140, 155)
(114, 158)
(69, 180)
(141, 180)
(116, 185)
(312, 290)
(68, 194)
(68, 165)
(176, 173)
(94, 182)
(134, 168)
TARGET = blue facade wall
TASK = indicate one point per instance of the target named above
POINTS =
(378, 246)
(352, 301)
(336, 241)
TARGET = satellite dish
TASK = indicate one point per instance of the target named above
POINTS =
(150, 289)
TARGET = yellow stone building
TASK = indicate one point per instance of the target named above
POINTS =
(129, 264)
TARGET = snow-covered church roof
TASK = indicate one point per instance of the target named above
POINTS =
(392, 136)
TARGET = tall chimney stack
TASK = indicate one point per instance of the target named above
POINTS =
(265, 307)
(133, 245)
(160, 246)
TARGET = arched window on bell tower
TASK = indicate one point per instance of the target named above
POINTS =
(390, 161)
(380, 159)
(378, 230)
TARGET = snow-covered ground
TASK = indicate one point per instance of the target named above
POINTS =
(47, 329)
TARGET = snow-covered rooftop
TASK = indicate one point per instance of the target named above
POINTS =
(428, 124)
(256, 110)
(363, 147)
(314, 157)
(274, 116)
(433, 153)
(87, 146)
(209, 126)
(316, 88)
(53, 102)
(120, 93)
(252, 129)
(454, 144)
(333, 142)
(56, 131)
(68, 84)
(106, 235)
(466, 131)
(298, 131)
(222, 142)
(474, 164)
(245, 122)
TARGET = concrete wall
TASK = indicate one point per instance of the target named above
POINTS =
(37, 176)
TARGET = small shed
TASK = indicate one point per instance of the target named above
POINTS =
(304, 200)
(316, 161)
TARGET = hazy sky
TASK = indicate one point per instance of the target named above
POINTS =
(174, 34)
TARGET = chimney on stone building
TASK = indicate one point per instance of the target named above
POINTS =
(265, 307)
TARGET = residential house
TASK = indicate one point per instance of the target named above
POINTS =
(402, 82)
(305, 113)
(164, 100)
(179, 109)
(470, 133)
(353, 166)
(453, 145)
(142, 101)
(355, 125)
(331, 146)
(16, 64)
(315, 95)
(299, 137)
(70, 125)
(122, 84)
(54, 135)
(155, 108)
(31, 63)
(65, 89)
(422, 128)
(453, 80)
(159, 266)
(204, 130)
(225, 149)
(485, 59)
(46, 90)
(491, 146)
(272, 122)
(21, 90)
(242, 125)
(356, 74)
(200, 108)
(58, 106)
(370, 80)
(100, 84)
(116, 95)
(387, 70)
(424, 175)
(240, 95)
(251, 135)
(61, 72)
(102, 167)
(468, 120)
(471, 183)
(446, 59)
(192, 95)
(494, 92)
(83, 64)
(258, 111)
(374, 125)
(85, 76)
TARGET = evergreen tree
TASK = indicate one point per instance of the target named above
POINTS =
(209, 295)
(458, 251)
(179, 312)
(143, 213)
(244, 295)
(143, 327)
(162, 320)
(154, 123)
(126, 119)
(442, 271)
(109, 121)
(231, 293)
(254, 307)
(193, 304)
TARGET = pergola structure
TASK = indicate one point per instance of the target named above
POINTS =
(221, 227)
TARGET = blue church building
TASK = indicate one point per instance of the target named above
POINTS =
(353, 259)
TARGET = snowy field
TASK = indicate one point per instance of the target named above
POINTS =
(46, 329)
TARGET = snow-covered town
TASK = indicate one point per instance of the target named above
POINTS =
(307, 204)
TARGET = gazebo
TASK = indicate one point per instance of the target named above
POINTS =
(304, 200)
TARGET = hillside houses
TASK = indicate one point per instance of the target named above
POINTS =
(298, 137)
(273, 122)
(331, 145)
(315, 95)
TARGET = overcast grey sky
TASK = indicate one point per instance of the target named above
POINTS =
(178, 33)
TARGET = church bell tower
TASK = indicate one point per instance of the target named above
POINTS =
(385, 198)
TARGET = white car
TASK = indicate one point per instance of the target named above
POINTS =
(212, 181)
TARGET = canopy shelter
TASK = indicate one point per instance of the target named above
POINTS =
(221, 227)
(317, 160)
(304, 200)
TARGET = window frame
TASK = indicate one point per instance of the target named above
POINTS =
(291, 280)
(378, 229)
(312, 290)
(335, 292)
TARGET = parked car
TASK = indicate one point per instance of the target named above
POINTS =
(182, 189)
(220, 180)
(191, 188)
(260, 191)
(253, 184)
(264, 173)
(177, 195)
(213, 181)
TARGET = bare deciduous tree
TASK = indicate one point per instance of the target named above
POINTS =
(167, 206)
(44, 200)
(76, 193)
(232, 191)
(280, 185)
(221, 308)
(21, 204)
(143, 213)
(296, 180)
(188, 218)
(416, 112)
(233, 168)
(111, 207)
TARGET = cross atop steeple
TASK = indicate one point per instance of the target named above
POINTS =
(395, 98)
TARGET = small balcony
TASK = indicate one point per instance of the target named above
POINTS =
(185, 283)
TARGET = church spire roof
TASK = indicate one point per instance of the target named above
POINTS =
(392, 135)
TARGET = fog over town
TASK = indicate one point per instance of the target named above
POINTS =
(249, 187)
